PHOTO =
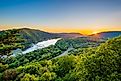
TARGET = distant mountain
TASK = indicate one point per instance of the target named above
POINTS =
(69, 35)
(108, 34)
(35, 36)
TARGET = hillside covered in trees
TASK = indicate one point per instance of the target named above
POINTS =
(107, 34)
(34, 36)
(89, 63)
(24, 38)
(10, 40)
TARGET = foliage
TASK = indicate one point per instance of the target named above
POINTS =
(101, 63)
(10, 40)
(34, 36)
(3, 67)
(9, 74)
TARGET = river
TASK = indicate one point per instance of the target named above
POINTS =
(41, 45)
(37, 46)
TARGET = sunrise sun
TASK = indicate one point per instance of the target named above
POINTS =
(95, 32)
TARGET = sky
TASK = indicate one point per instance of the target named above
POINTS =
(82, 16)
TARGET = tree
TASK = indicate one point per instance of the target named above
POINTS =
(48, 76)
(64, 65)
(10, 40)
(28, 77)
(9, 74)
(3, 67)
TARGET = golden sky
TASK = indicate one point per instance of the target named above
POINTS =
(85, 30)
(81, 16)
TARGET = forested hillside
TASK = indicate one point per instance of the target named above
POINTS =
(108, 34)
(34, 36)
(98, 63)
(24, 38)
(10, 40)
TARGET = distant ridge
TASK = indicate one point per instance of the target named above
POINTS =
(107, 34)
(34, 35)
(69, 35)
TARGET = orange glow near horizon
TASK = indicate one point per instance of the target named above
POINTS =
(81, 31)
(85, 31)
(67, 30)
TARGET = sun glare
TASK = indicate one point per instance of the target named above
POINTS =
(94, 32)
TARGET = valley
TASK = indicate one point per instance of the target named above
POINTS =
(57, 58)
